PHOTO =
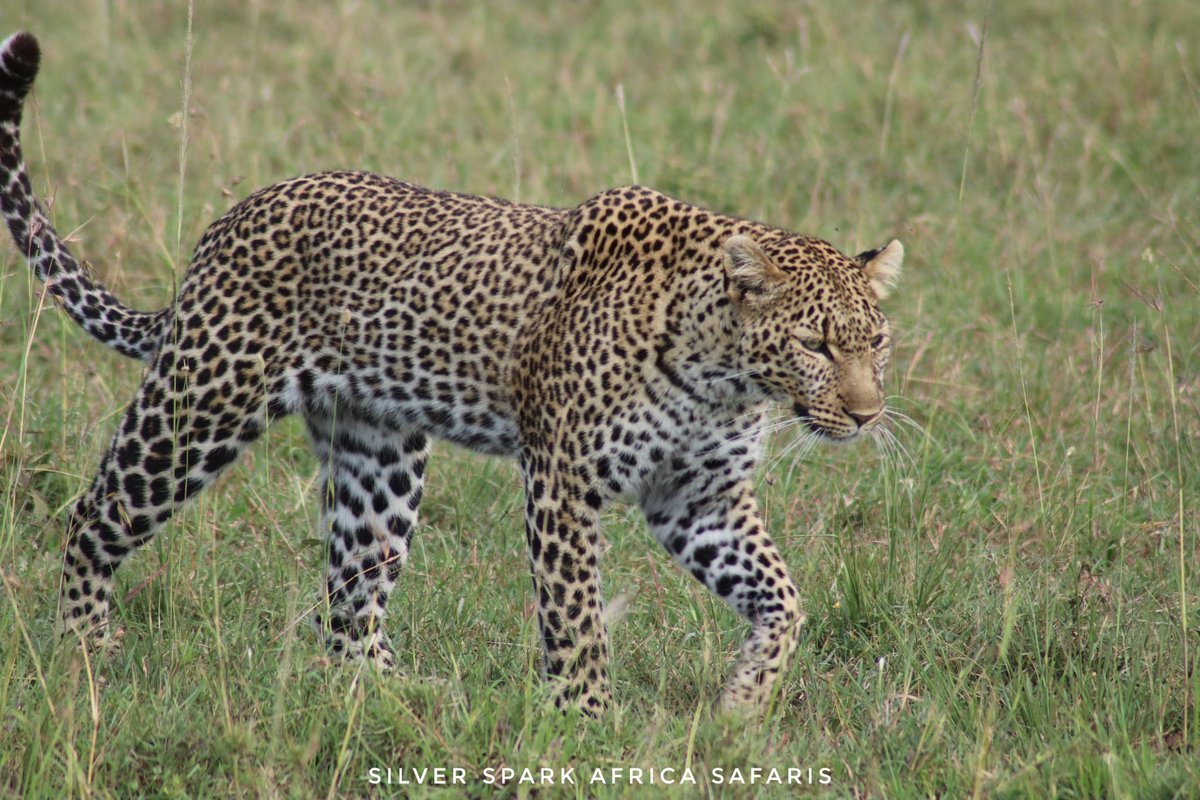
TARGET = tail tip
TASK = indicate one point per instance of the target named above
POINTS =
(20, 55)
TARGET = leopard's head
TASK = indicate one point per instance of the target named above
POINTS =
(812, 335)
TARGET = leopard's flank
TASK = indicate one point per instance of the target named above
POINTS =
(632, 347)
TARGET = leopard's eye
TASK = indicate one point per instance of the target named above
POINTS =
(878, 341)
(817, 346)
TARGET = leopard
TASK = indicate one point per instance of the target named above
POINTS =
(635, 348)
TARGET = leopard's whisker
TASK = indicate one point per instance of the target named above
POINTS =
(755, 432)
(897, 446)
(891, 447)
(882, 447)
(764, 414)
(799, 447)
(735, 376)
(908, 422)
(799, 451)
(903, 418)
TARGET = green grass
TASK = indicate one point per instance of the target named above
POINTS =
(1012, 612)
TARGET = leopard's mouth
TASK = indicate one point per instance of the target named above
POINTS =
(822, 432)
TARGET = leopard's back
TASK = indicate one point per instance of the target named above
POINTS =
(399, 302)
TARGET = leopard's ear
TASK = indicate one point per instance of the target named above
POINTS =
(752, 276)
(882, 267)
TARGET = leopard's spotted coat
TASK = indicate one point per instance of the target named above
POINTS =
(626, 347)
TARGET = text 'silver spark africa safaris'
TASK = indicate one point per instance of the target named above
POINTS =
(631, 346)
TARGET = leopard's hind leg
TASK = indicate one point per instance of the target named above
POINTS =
(371, 484)
(190, 419)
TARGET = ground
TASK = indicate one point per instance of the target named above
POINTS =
(1010, 609)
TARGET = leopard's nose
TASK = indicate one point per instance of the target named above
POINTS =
(864, 418)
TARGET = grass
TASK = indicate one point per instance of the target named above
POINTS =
(1011, 611)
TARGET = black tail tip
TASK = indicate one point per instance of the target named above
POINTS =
(19, 59)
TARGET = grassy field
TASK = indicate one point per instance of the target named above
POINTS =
(1012, 609)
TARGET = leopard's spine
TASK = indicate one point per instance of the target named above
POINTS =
(136, 334)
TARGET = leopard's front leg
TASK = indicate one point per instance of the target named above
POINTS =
(561, 515)
(709, 522)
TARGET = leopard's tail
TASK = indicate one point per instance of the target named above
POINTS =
(136, 334)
